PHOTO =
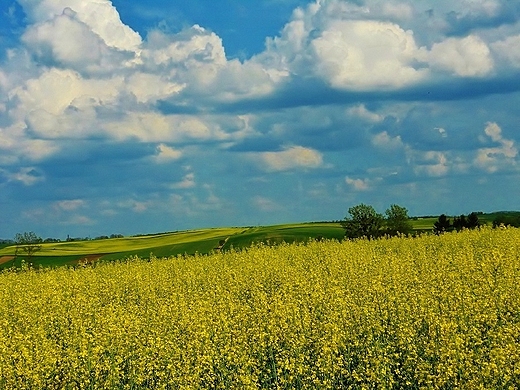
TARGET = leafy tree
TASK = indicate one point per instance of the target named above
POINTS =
(27, 242)
(473, 221)
(397, 220)
(364, 221)
(460, 222)
(506, 220)
(442, 225)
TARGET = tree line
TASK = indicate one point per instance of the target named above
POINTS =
(364, 221)
(443, 223)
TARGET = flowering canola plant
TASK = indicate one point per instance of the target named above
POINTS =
(431, 312)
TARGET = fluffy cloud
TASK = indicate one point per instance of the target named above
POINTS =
(67, 42)
(504, 155)
(187, 182)
(100, 15)
(361, 55)
(166, 154)
(345, 52)
(28, 176)
(362, 112)
(466, 57)
(293, 157)
(431, 163)
(371, 87)
(509, 49)
(358, 184)
(385, 141)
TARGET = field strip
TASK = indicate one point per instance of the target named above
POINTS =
(5, 259)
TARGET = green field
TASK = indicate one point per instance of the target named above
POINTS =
(189, 242)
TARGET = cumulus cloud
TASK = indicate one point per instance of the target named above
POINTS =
(355, 70)
(361, 55)
(384, 141)
(187, 182)
(491, 159)
(432, 163)
(465, 57)
(68, 42)
(100, 15)
(358, 184)
(362, 112)
(294, 157)
(509, 49)
(167, 154)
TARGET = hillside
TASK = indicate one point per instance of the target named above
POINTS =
(189, 242)
(170, 244)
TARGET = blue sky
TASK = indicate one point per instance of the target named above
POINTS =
(137, 117)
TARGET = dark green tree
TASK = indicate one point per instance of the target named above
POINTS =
(27, 242)
(506, 220)
(397, 220)
(473, 221)
(364, 221)
(460, 223)
(442, 225)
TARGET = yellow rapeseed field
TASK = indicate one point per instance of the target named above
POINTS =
(432, 312)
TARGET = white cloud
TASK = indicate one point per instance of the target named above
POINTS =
(100, 15)
(196, 58)
(134, 205)
(69, 205)
(430, 163)
(148, 88)
(363, 55)
(509, 49)
(68, 42)
(61, 104)
(466, 57)
(486, 7)
(187, 182)
(442, 132)
(294, 157)
(492, 159)
(28, 176)
(166, 154)
(16, 146)
(397, 11)
(358, 184)
(156, 127)
(362, 112)
(384, 141)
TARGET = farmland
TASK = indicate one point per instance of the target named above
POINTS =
(200, 241)
(425, 312)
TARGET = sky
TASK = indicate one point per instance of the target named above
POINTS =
(131, 117)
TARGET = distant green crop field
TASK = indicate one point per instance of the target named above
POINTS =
(423, 223)
(171, 244)
(67, 253)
